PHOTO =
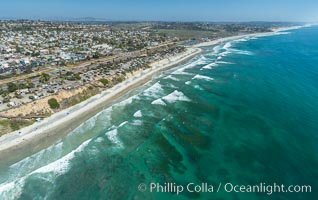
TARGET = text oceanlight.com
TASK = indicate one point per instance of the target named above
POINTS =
(223, 187)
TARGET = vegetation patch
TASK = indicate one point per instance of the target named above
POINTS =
(104, 81)
(8, 125)
(53, 103)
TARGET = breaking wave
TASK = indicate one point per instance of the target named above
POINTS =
(203, 77)
(154, 91)
(158, 102)
(175, 96)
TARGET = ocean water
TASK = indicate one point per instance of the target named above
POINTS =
(243, 112)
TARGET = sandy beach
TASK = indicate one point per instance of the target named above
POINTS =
(42, 134)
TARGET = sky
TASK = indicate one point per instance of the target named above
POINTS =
(164, 10)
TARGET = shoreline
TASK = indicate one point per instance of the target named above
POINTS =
(274, 31)
(39, 135)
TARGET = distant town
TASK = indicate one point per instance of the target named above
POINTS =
(46, 66)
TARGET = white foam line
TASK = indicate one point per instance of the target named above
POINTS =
(158, 102)
(136, 122)
(171, 77)
(58, 167)
(203, 77)
(209, 66)
(122, 124)
(61, 165)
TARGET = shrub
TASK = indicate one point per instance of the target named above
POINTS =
(53, 103)
(44, 78)
(12, 87)
(104, 81)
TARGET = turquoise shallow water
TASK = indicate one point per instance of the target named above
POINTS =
(244, 112)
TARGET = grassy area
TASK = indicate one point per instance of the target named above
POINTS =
(79, 97)
(4, 122)
(4, 126)
(9, 125)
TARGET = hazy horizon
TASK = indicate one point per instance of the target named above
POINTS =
(175, 10)
(93, 19)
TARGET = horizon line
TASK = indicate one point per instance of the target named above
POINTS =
(91, 19)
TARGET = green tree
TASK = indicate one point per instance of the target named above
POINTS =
(45, 78)
(12, 87)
